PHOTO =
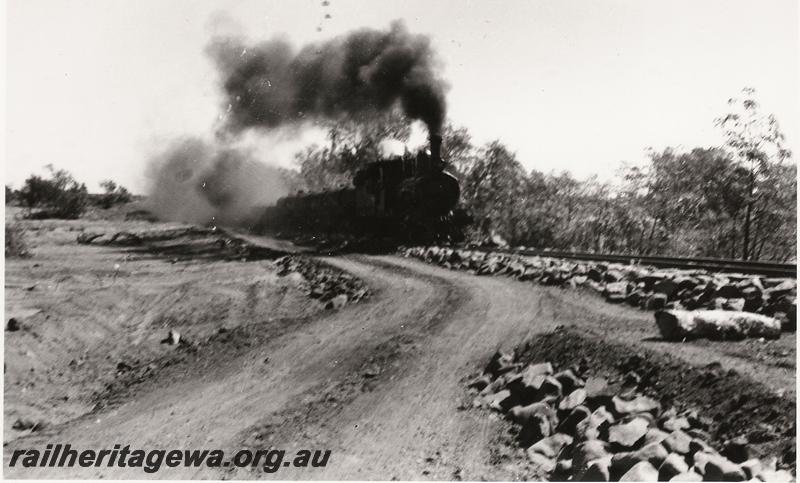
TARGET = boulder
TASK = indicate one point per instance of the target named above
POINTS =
(584, 454)
(654, 435)
(675, 424)
(719, 468)
(173, 338)
(615, 292)
(336, 302)
(677, 325)
(686, 283)
(524, 414)
(13, 325)
(569, 380)
(598, 391)
(640, 404)
(626, 435)
(594, 274)
(655, 301)
(729, 291)
(736, 304)
(573, 400)
(752, 468)
(775, 476)
(499, 364)
(541, 461)
(672, 466)
(552, 445)
(655, 454)
(533, 370)
(612, 276)
(642, 471)
(550, 389)
(499, 400)
(570, 423)
(598, 470)
(665, 287)
(678, 442)
(480, 382)
(736, 450)
(595, 425)
(687, 476)
(635, 297)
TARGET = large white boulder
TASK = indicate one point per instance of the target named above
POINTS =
(715, 324)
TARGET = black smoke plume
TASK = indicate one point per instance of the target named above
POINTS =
(272, 84)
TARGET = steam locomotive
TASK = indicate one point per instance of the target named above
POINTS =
(404, 198)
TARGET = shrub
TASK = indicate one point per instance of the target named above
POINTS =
(114, 194)
(60, 196)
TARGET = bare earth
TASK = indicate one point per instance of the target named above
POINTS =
(380, 383)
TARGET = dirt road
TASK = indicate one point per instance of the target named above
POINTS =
(379, 383)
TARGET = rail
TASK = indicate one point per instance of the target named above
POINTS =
(771, 269)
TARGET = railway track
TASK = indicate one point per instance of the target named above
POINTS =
(770, 269)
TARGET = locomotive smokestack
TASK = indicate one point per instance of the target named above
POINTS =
(436, 147)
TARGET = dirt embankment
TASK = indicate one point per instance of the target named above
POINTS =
(90, 313)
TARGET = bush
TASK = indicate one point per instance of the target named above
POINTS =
(60, 196)
(114, 194)
(15, 243)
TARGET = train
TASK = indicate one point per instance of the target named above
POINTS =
(405, 198)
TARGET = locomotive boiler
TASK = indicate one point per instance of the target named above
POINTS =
(408, 198)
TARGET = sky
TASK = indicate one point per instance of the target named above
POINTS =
(98, 87)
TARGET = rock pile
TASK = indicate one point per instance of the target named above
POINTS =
(330, 286)
(580, 428)
(640, 286)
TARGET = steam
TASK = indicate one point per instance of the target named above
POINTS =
(196, 182)
(272, 84)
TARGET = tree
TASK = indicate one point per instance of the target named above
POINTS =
(458, 150)
(352, 143)
(756, 144)
(495, 190)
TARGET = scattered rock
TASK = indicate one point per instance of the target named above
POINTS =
(336, 302)
(24, 424)
(173, 338)
(648, 287)
(13, 325)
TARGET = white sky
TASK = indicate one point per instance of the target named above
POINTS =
(96, 86)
